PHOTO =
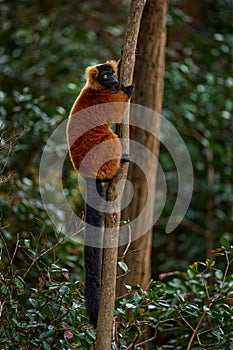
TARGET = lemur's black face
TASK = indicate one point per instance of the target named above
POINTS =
(107, 77)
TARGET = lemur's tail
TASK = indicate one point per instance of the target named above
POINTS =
(92, 248)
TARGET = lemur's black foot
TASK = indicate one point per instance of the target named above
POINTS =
(125, 158)
(107, 181)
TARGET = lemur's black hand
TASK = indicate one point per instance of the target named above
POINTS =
(125, 158)
(128, 89)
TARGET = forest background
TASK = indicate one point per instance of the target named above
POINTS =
(44, 50)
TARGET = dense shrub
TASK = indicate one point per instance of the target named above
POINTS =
(183, 309)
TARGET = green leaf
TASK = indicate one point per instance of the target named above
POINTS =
(16, 322)
(64, 290)
(224, 242)
(168, 313)
(120, 311)
(91, 333)
(27, 243)
(137, 298)
(4, 290)
(136, 287)
(130, 306)
(46, 345)
(18, 283)
(128, 287)
(210, 263)
(124, 222)
(47, 334)
(123, 266)
(114, 346)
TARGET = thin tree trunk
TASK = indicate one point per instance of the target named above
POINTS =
(149, 73)
(112, 220)
(210, 204)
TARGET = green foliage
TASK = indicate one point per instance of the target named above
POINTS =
(46, 313)
(44, 318)
(44, 49)
(198, 102)
(43, 57)
(193, 307)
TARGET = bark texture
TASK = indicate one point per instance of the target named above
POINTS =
(109, 268)
(149, 74)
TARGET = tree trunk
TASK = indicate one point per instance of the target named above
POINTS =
(149, 73)
(112, 220)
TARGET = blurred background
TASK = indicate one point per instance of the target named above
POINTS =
(45, 47)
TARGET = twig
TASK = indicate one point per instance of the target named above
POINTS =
(16, 248)
(131, 346)
(7, 252)
(129, 242)
(198, 326)
(148, 340)
(130, 252)
(185, 321)
(226, 270)
(42, 253)
(123, 296)
(123, 274)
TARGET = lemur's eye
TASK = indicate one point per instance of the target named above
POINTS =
(105, 76)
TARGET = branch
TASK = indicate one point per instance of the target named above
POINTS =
(115, 190)
(195, 331)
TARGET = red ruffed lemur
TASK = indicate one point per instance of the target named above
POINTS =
(89, 131)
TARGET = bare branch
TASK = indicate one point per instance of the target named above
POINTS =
(112, 220)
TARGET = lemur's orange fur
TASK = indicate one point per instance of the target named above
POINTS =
(82, 141)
